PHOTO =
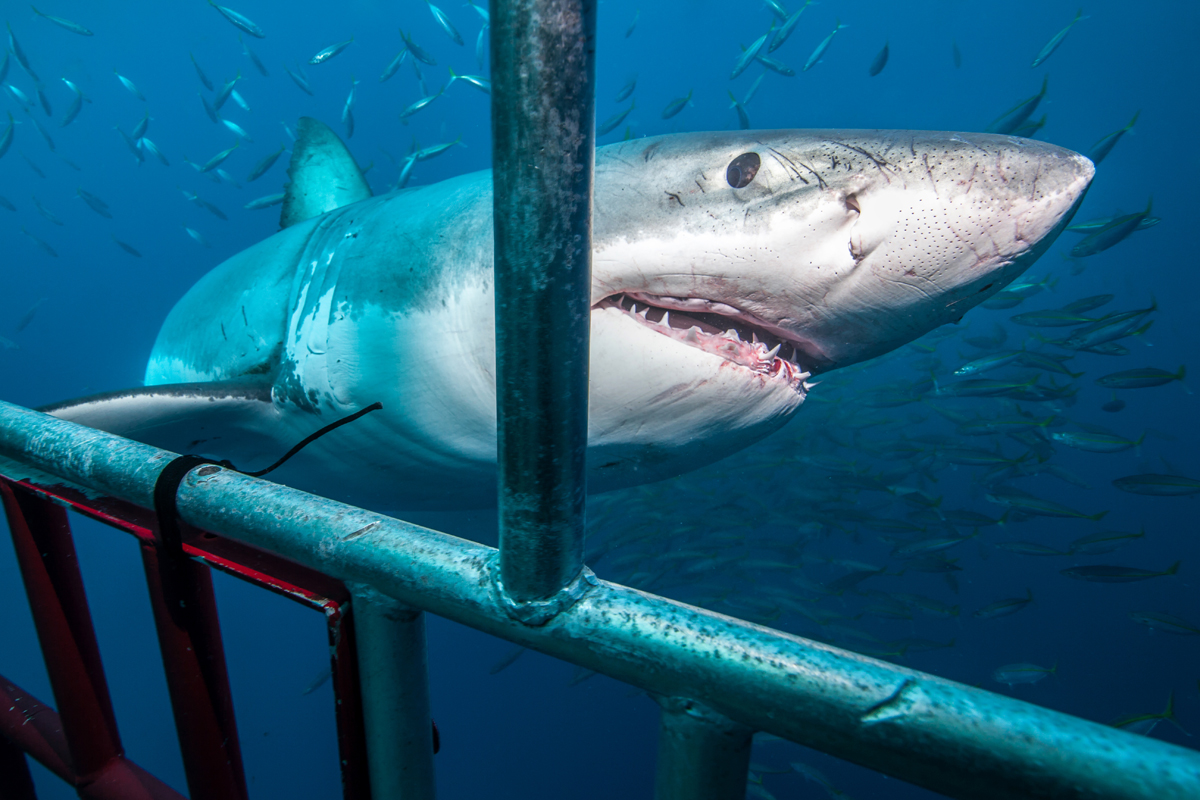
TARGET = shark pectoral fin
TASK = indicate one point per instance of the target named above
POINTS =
(231, 419)
(324, 175)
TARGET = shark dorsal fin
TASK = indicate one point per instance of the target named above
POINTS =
(324, 175)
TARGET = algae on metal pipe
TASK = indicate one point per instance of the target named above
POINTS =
(543, 138)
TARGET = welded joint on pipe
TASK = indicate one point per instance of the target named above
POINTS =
(687, 707)
(907, 700)
(536, 613)
(389, 607)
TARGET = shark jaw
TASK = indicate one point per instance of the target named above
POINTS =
(719, 329)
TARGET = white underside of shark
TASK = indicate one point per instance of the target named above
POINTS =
(714, 299)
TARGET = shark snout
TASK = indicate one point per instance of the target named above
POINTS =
(941, 230)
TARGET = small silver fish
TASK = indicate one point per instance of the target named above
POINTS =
(241, 101)
(615, 120)
(391, 68)
(329, 52)
(789, 25)
(128, 248)
(482, 84)
(1053, 44)
(743, 118)
(239, 21)
(128, 84)
(748, 55)
(196, 235)
(435, 150)
(264, 202)
(299, 79)
(43, 245)
(139, 130)
(444, 23)
(822, 47)
(223, 94)
(626, 90)
(199, 72)
(94, 203)
(418, 53)
(348, 110)
(154, 151)
(254, 59)
(218, 159)
(19, 54)
(50, 251)
(418, 105)
(237, 130)
(64, 23)
(76, 104)
(265, 164)
(676, 105)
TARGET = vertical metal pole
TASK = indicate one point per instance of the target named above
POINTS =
(701, 754)
(543, 141)
(46, 555)
(189, 637)
(348, 705)
(395, 690)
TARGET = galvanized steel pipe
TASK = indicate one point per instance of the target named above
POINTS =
(543, 135)
(701, 755)
(395, 693)
(954, 739)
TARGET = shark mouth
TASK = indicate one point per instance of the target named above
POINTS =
(719, 329)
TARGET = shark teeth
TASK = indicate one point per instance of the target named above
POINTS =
(761, 351)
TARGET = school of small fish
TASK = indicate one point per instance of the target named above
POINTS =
(864, 523)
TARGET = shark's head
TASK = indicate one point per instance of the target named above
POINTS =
(729, 267)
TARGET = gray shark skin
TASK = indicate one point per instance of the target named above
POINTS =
(714, 300)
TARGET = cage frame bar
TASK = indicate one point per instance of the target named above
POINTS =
(955, 739)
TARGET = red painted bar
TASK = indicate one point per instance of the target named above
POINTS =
(15, 778)
(189, 637)
(30, 726)
(308, 587)
(46, 555)
(351, 733)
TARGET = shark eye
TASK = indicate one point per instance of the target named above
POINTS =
(742, 170)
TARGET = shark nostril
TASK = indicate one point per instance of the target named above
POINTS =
(851, 202)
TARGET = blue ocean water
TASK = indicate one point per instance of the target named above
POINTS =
(535, 729)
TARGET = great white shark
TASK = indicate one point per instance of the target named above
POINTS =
(728, 268)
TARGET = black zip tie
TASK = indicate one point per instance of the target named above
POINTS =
(166, 486)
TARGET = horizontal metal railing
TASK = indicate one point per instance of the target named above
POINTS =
(959, 740)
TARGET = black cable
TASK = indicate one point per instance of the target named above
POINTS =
(166, 486)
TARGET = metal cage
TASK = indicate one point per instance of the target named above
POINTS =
(717, 679)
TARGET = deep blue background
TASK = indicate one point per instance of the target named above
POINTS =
(525, 732)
